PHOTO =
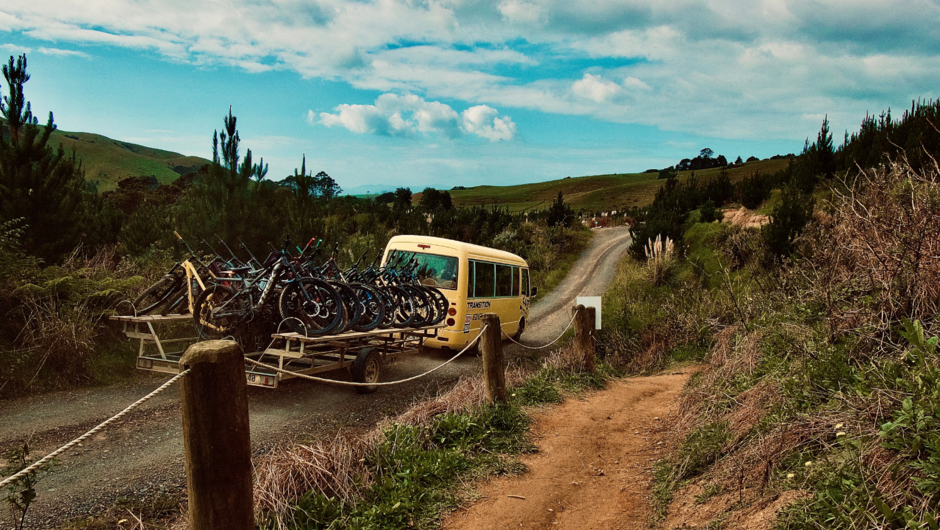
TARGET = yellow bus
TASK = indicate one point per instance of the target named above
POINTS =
(475, 280)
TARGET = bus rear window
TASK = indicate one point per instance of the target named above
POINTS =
(436, 271)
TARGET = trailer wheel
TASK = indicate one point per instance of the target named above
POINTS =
(367, 368)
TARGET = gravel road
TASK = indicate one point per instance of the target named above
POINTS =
(143, 454)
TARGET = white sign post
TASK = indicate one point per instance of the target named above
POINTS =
(595, 302)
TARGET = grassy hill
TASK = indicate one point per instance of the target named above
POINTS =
(599, 192)
(108, 161)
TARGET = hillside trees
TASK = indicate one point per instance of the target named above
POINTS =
(38, 184)
(560, 212)
(231, 199)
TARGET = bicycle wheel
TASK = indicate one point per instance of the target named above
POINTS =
(312, 307)
(404, 307)
(440, 303)
(156, 294)
(218, 310)
(390, 307)
(350, 303)
(423, 310)
(371, 306)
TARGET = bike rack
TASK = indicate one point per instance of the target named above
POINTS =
(142, 328)
(312, 355)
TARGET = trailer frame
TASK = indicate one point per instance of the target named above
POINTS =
(288, 356)
(291, 354)
(144, 328)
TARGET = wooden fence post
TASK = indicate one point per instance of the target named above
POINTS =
(494, 366)
(584, 335)
(216, 438)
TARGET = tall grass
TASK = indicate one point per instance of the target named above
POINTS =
(825, 373)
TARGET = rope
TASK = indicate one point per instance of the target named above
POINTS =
(550, 343)
(66, 447)
(390, 383)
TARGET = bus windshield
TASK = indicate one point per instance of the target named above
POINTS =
(436, 271)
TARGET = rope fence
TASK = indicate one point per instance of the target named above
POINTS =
(514, 341)
(390, 383)
(42, 461)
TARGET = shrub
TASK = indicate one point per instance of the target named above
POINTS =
(660, 258)
(788, 219)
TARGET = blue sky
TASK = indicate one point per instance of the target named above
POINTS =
(446, 92)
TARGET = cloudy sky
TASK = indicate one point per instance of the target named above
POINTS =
(448, 92)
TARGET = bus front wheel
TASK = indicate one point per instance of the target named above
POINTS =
(519, 331)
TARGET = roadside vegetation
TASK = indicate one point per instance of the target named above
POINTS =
(820, 388)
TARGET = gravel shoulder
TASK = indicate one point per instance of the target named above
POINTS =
(143, 454)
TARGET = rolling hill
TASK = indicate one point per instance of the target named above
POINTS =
(599, 192)
(108, 161)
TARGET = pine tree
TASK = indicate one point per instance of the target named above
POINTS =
(38, 184)
(825, 153)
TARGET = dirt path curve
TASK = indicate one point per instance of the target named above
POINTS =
(592, 470)
(143, 454)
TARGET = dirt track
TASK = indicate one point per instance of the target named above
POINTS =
(593, 467)
(143, 454)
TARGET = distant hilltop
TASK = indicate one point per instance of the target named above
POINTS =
(107, 161)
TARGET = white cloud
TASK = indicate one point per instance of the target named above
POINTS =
(15, 48)
(485, 121)
(521, 11)
(59, 52)
(410, 115)
(595, 88)
(713, 67)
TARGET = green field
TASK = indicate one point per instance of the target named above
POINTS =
(108, 161)
(599, 192)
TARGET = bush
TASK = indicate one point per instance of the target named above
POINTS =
(788, 219)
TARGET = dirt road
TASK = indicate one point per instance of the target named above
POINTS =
(143, 454)
(592, 470)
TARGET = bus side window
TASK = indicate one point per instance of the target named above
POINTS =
(484, 284)
(503, 280)
(525, 282)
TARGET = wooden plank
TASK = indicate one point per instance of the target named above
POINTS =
(150, 318)
(284, 353)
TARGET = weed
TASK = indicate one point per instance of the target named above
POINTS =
(21, 494)
(709, 491)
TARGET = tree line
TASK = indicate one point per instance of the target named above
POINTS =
(51, 211)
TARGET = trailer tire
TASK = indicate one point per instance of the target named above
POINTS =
(367, 368)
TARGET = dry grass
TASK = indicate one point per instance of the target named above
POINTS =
(333, 467)
(872, 258)
(882, 241)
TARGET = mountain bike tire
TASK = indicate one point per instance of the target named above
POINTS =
(439, 301)
(372, 307)
(350, 303)
(423, 310)
(404, 307)
(156, 294)
(323, 313)
(218, 311)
